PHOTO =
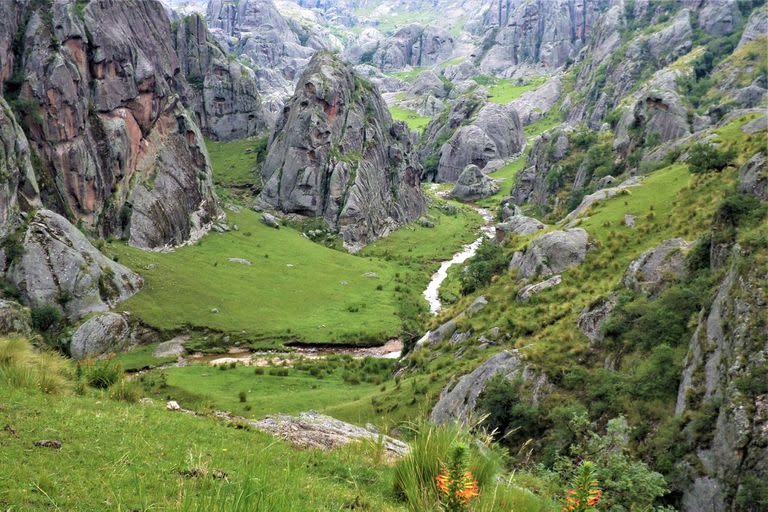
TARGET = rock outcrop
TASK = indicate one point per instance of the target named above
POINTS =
(551, 253)
(313, 430)
(223, 92)
(531, 185)
(591, 319)
(457, 402)
(727, 352)
(473, 184)
(757, 26)
(102, 334)
(337, 154)
(496, 133)
(655, 269)
(413, 45)
(119, 152)
(753, 177)
(59, 266)
(600, 195)
(535, 104)
(518, 225)
(534, 289)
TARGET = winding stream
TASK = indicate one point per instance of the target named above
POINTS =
(432, 292)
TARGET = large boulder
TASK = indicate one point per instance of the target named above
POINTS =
(102, 334)
(473, 184)
(223, 92)
(518, 225)
(121, 152)
(535, 104)
(336, 154)
(601, 195)
(753, 176)
(655, 269)
(457, 402)
(551, 253)
(534, 289)
(59, 266)
(496, 133)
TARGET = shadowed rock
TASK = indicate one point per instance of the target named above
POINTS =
(473, 184)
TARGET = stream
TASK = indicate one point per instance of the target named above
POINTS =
(432, 292)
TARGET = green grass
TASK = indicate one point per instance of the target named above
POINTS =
(294, 289)
(414, 121)
(503, 91)
(199, 386)
(118, 456)
(506, 176)
(141, 357)
(409, 76)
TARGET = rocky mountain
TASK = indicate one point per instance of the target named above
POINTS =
(336, 154)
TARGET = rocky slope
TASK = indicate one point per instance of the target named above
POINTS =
(336, 154)
(116, 148)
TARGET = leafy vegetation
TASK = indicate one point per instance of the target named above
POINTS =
(414, 121)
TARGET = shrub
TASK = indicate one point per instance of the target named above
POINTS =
(242, 396)
(258, 371)
(489, 261)
(21, 367)
(102, 374)
(45, 317)
(705, 158)
(509, 412)
(125, 391)
(279, 372)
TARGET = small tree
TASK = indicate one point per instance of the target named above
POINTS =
(705, 158)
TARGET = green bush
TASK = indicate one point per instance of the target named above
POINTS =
(509, 411)
(705, 158)
(103, 374)
(489, 261)
(46, 317)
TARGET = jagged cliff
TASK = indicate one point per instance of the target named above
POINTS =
(113, 144)
(336, 154)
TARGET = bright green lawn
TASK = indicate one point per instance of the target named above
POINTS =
(294, 288)
(414, 121)
(268, 394)
(410, 75)
(141, 357)
(122, 457)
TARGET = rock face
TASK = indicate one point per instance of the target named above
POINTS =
(59, 266)
(102, 334)
(413, 45)
(757, 26)
(496, 133)
(653, 270)
(545, 32)
(551, 253)
(729, 347)
(600, 195)
(224, 93)
(313, 430)
(535, 104)
(119, 151)
(753, 177)
(531, 184)
(457, 403)
(473, 184)
(336, 154)
(18, 188)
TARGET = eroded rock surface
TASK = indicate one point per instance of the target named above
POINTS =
(473, 184)
(103, 334)
(551, 253)
(655, 269)
(336, 154)
(59, 266)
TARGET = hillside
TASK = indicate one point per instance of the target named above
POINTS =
(382, 255)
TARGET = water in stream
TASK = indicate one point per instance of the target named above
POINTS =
(432, 292)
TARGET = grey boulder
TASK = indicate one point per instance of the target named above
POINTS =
(551, 253)
(100, 335)
(753, 177)
(14, 318)
(473, 184)
(534, 289)
(457, 403)
(655, 269)
(60, 266)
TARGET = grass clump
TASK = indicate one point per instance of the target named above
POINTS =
(21, 367)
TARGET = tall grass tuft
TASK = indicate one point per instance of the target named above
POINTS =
(22, 367)
(431, 447)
